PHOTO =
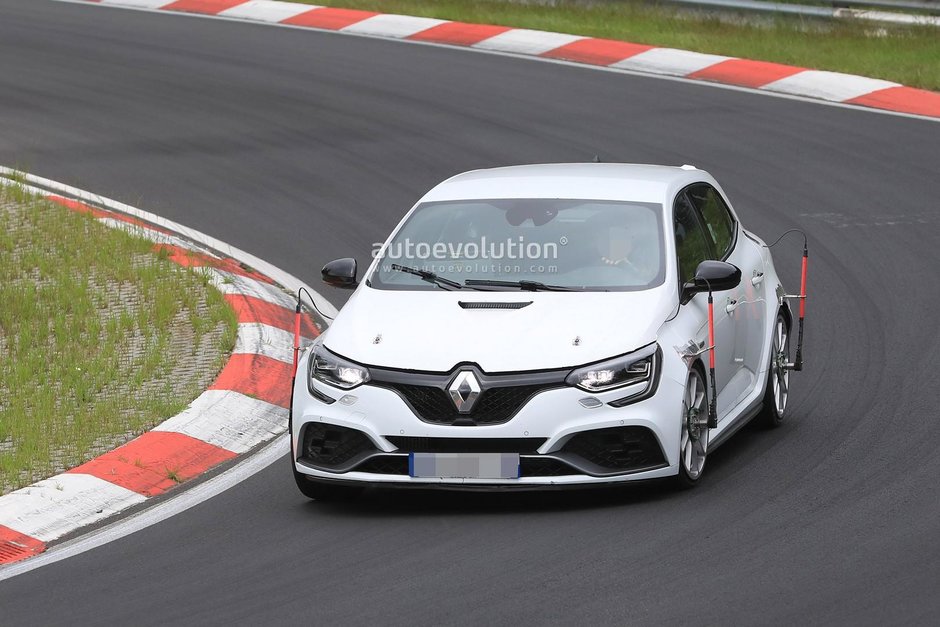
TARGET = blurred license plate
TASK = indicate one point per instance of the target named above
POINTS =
(464, 465)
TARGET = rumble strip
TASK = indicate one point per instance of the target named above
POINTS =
(773, 78)
(246, 406)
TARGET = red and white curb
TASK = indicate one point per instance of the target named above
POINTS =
(246, 406)
(772, 78)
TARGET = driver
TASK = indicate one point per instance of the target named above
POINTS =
(618, 248)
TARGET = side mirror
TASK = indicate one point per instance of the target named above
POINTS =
(710, 275)
(342, 273)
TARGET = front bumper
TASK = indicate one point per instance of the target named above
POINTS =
(560, 442)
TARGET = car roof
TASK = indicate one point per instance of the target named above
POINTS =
(597, 181)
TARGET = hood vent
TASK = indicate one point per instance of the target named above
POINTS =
(491, 305)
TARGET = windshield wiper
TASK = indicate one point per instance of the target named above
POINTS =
(529, 286)
(428, 276)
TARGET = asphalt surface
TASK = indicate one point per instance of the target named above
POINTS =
(300, 147)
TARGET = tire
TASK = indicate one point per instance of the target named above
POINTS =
(693, 441)
(777, 391)
(324, 491)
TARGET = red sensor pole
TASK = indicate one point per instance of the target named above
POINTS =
(296, 338)
(798, 363)
(711, 331)
(712, 404)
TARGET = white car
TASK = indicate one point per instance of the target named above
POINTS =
(544, 326)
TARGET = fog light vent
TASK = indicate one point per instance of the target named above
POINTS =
(332, 445)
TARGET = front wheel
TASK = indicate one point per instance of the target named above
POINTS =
(778, 376)
(693, 444)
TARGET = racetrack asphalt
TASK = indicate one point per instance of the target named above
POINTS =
(300, 147)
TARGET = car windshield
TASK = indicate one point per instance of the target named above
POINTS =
(590, 245)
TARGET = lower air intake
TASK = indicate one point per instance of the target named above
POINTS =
(332, 446)
(617, 448)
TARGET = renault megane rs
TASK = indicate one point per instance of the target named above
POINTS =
(545, 325)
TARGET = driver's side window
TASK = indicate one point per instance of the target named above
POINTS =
(691, 244)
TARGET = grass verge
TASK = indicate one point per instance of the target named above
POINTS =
(100, 337)
(904, 54)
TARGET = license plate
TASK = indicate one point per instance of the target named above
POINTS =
(464, 465)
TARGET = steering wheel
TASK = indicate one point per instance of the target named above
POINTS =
(622, 262)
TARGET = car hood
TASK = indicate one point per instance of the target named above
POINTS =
(431, 331)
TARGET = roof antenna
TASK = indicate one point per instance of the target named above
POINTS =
(596, 159)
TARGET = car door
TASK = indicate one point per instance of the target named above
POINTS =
(694, 245)
(743, 306)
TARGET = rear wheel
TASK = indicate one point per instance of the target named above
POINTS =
(693, 443)
(323, 490)
(778, 376)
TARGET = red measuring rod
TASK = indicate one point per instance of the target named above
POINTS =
(711, 332)
(293, 371)
(712, 404)
(798, 363)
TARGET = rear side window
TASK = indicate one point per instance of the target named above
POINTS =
(692, 246)
(717, 217)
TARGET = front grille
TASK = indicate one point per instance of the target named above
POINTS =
(495, 405)
(501, 395)
(332, 446)
(465, 445)
(385, 465)
(617, 448)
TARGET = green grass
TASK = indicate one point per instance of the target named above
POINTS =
(98, 336)
(907, 55)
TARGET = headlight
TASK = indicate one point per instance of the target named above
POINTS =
(636, 367)
(333, 370)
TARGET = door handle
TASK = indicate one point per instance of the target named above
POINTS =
(758, 278)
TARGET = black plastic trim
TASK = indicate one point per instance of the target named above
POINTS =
(442, 379)
(481, 487)
(464, 304)
(412, 444)
(579, 465)
(735, 425)
(358, 459)
(593, 470)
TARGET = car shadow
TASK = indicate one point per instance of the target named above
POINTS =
(404, 502)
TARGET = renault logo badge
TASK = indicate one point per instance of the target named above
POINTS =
(464, 390)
